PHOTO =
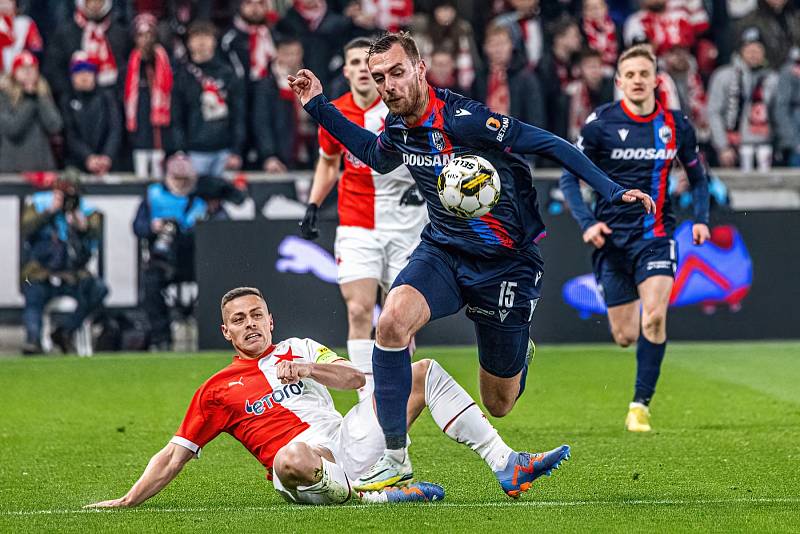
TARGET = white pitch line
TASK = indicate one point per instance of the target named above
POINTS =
(530, 504)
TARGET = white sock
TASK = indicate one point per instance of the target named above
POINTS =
(398, 455)
(360, 353)
(456, 413)
(333, 487)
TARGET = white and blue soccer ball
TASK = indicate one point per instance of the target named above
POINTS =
(469, 186)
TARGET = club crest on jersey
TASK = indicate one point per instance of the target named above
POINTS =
(623, 133)
(438, 140)
(273, 398)
(493, 124)
(665, 134)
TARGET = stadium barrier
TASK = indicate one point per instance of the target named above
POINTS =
(765, 212)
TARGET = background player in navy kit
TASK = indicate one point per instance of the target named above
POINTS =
(490, 264)
(635, 141)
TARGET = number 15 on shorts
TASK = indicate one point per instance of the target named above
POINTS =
(506, 294)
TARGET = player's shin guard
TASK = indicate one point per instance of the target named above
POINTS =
(360, 353)
(456, 413)
(392, 373)
(648, 366)
(332, 488)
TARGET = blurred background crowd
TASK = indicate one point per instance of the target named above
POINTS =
(105, 85)
(184, 92)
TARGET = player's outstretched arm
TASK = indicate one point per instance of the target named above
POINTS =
(160, 471)
(533, 140)
(362, 143)
(339, 375)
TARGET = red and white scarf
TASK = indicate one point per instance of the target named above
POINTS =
(391, 15)
(312, 15)
(17, 33)
(96, 45)
(160, 89)
(498, 94)
(601, 35)
(261, 46)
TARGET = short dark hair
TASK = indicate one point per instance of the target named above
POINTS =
(202, 27)
(639, 50)
(383, 43)
(559, 26)
(358, 42)
(590, 53)
(237, 292)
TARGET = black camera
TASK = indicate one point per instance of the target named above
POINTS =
(164, 243)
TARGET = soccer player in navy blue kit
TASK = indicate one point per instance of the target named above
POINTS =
(489, 264)
(636, 141)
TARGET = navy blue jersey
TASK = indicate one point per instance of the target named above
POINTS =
(637, 152)
(451, 126)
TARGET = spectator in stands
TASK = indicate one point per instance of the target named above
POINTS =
(556, 70)
(442, 72)
(392, 16)
(787, 108)
(681, 66)
(284, 132)
(600, 32)
(739, 99)
(166, 219)
(322, 33)
(249, 46)
(666, 23)
(506, 85)
(92, 120)
(28, 117)
(526, 29)
(445, 31)
(60, 232)
(93, 30)
(17, 33)
(593, 88)
(147, 99)
(778, 22)
(208, 114)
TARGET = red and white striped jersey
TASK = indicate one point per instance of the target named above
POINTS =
(247, 401)
(680, 24)
(367, 198)
(17, 34)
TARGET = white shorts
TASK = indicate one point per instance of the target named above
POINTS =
(376, 254)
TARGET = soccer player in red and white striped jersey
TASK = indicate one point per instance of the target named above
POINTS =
(273, 399)
(380, 215)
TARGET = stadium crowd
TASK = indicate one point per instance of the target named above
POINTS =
(119, 86)
(195, 88)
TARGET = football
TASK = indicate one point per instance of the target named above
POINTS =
(469, 186)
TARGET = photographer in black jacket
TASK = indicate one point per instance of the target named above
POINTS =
(166, 219)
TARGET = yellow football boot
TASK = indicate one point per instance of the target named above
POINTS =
(638, 419)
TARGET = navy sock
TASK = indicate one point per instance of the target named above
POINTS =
(648, 366)
(522, 378)
(392, 374)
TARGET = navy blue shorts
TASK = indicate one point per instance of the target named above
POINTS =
(500, 295)
(620, 270)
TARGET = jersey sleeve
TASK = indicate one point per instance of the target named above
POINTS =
(689, 156)
(570, 186)
(329, 147)
(318, 353)
(202, 423)
(373, 150)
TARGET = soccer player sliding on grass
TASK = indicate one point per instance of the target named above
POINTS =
(273, 398)
(490, 264)
(636, 142)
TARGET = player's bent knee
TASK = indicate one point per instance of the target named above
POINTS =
(421, 366)
(393, 328)
(499, 407)
(654, 323)
(625, 339)
(294, 464)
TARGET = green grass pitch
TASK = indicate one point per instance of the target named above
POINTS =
(724, 456)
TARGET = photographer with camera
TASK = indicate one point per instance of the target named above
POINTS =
(60, 232)
(166, 219)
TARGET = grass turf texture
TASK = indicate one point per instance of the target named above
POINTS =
(724, 455)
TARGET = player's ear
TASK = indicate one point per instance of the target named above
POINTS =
(617, 80)
(271, 323)
(225, 332)
(422, 68)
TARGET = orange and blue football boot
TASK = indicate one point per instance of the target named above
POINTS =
(525, 467)
(416, 492)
